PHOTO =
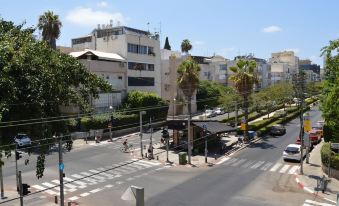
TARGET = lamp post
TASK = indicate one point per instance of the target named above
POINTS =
(173, 110)
(141, 149)
(111, 123)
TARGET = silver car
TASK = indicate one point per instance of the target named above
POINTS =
(22, 140)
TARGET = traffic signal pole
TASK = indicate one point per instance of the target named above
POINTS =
(20, 189)
(61, 174)
(16, 166)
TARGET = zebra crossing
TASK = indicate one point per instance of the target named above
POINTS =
(314, 203)
(85, 179)
(259, 165)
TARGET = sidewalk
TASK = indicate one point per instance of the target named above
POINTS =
(313, 172)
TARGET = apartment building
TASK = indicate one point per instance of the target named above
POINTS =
(283, 65)
(139, 48)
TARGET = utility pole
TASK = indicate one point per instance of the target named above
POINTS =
(61, 174)
(16, 166)
(151, 138)
(2, 182)
(204, 133)
(236, 114)
(189, 132)
(141, 149)
(20, 189)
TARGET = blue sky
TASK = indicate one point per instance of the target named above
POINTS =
(224, 27)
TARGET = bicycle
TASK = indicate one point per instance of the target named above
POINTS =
(128, 149)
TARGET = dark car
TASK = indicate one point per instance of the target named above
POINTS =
(278, 129)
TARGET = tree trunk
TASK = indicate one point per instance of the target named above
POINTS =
(189, 147)
(246, 117)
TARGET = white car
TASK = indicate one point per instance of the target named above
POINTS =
(219, 111)
(22, 140)
(292, 152)
(210, 113)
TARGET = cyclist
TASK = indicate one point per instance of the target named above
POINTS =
(125, 145)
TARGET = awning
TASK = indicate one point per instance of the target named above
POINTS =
(214, 127)
(99, 54)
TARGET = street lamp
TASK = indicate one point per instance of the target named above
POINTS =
(141, 149)
(173, 112)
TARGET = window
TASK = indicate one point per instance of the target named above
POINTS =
(120, 77)
(136, 66)
(133, 48)
(139, 49)
(150, 67)
(143, 49)
(151, 51)
(223, 67)
(140, 81)
(107, 77)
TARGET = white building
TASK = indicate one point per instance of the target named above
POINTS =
(283, 65)
(140, 49)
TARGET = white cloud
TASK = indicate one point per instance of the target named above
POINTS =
(271, 29)
(198, 43)
(88, 17)
(295, 50)
(102, 4)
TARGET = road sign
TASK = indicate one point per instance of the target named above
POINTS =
(61, 166)
(306, 138)
(204, 126)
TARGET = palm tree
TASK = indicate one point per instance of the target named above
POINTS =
(244, 78)
(50, 25)
(186, 46)
(188, 82)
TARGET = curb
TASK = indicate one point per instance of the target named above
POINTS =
(309, 190)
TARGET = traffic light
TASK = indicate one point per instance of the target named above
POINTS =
(17, 155)
(25, 190)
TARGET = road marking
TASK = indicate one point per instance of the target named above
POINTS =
(223, 160)
(73, 198)
(275, 167)
(92, 181)
(66, 185)
(130, 179)
(284, 169)
(101, 179)
(109, 186)
(85, 194)
(47, 184)
(317, 203)
(96, 190)
(293, 169)
(255, 166)
(50, 192)
(82, 184)
(109, 176)
(231, 161)
(247, 164)
(151, 163)
(238, 162)
(141, 164)
(266, 166)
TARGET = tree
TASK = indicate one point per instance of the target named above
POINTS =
(35, 80)
(186, 46)
(330, 91)
(50, 25)
(229, 99)
(188, 81)
(244, 78)
(167, 45)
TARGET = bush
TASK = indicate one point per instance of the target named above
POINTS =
(325, 156)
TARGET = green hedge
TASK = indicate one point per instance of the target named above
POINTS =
(325, 156)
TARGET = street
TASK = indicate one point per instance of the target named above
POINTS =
(100, 173)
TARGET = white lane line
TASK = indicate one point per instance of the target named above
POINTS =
(258, 164)
(318, 203)
(47, 184)
(238, 162)
(66, 185)
(92, 181)
(293, 169)
(151, 163)
(223, 160)
(130, 179)
(135, 166)
(247, 164)
(141, 164)
(100, 179)
(96, 190)
(284, 169)
(231, 161)
(74, 198)
(85, 194)
(109, 186)
(275, 167)
(81, 184)
(266, 166)
(50, 192)
(109, 176)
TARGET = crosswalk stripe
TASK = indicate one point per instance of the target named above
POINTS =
(109, 176)
(238, 162)
(88, 179)
(66, 185)
(258, 164)
(247, 164)
(284, 169)
(85, 194)
(51, 192)
(293, 169)
(223, 160)
(95, 190)
(139, 167)
(47, 184)
(318, 203)
(305, 204)
(275, 167)
(94, 176)
(231, 161)
(73, 198)
(141, 164)
(151, 163)
(266, 166)
(81, 184)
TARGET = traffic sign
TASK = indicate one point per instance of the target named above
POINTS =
(61, 166)
(306, 138)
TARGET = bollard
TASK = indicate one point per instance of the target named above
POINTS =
(157, 157)
(146, 155)
(56, 199)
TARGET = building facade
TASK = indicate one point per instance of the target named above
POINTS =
(283, 65)
(139, 48)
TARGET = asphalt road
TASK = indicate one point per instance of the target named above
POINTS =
(256, 175)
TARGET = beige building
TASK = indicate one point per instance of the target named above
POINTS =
(140, 49)
(283, 65)
(112, 68)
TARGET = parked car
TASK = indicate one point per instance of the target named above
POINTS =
(321, 122)
(22, 140)
(219, 111)
(278, 129)
(210, 113)
(293, 152)
(314, 137)
(318, 129)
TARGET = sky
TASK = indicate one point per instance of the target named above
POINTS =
(221, 27)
